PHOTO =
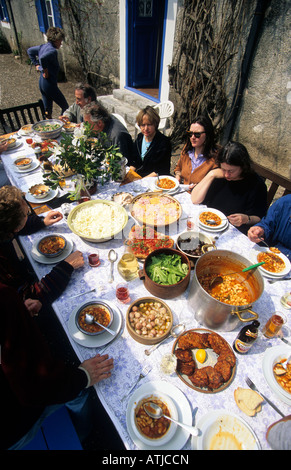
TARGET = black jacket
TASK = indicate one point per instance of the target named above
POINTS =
(157, 159)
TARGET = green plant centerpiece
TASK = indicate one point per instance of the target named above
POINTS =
(86, 153)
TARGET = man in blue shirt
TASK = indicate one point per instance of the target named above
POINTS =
(275, 227)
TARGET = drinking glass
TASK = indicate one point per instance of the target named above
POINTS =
(122, 292)
(274, 324)
(94, 259)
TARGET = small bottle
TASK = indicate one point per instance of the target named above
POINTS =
(246, 338)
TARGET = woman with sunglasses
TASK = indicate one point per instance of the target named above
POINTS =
(233, 188)
(198, 155)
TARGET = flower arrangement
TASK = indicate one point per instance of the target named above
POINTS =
(86, 153)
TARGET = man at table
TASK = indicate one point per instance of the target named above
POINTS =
(102, 121)
(275, 227)
(84, 94)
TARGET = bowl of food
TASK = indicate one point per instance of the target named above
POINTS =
(11, 143)
(23, 163)
(69, 126)
(166, 183)
(101, 313)
(97, 220)
(149, 320)
(166, 273)
(51, 245)
(27, 129)
(194, 244)
(153, 431)
(39, 191)
(48, 129)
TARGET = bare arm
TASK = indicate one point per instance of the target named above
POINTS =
(200, 190)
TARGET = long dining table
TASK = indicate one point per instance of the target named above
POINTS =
(116, 393)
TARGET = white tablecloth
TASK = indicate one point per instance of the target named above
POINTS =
(129, 356)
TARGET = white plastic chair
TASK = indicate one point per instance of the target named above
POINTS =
(165, 110)
(120, 118)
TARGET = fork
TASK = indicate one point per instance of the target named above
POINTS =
(253, 387)
(144, 373)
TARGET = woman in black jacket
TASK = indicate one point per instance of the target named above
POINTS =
(151, 149)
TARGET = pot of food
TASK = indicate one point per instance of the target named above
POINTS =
(224, 306)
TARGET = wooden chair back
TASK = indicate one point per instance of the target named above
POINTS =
(12, 119)
(275, 182)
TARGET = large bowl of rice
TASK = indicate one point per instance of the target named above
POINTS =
(98, 220)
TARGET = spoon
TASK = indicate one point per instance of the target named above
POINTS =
(219, 279)
(112, 256)
(212, 222)
(154, 411)
(175, 332)
(90, 319)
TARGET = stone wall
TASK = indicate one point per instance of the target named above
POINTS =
(264, 122)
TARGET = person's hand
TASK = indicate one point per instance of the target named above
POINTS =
(45, 73)
(98, 367)
(255, 233)
(33, 306)
(52, 217)
(75, 259)
(238, 219)
(3, 146)
(64, 118)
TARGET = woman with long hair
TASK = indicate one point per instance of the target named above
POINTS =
(199, 152)
(233, 188)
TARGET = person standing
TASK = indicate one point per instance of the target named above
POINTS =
(45, 59)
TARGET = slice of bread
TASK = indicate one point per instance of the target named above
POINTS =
(248, 401)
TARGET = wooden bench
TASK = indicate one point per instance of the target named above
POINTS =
(12, 119)
(275, 182)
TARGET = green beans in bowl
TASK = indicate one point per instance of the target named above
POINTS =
(48, 129)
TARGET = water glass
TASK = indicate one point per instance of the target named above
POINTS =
(122, 292)
(94, 259)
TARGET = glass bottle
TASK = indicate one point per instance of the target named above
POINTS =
(81, 192)
(246, 337)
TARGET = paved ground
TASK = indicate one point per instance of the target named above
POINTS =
(19, 84)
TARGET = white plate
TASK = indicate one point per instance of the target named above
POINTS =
(44, 259)
(16, 146)
(169, 191)
(34, 165)
(51, 195)
(98, 340)
(259, 249)
(223, 420)
(271, 356)
(221, 226)
(184, 414)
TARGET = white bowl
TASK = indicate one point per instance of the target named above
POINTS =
(23, 163)
(171, 178)
(173, 414)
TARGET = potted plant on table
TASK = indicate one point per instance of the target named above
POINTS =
(85, 153)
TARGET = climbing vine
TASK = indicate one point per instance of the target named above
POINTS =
(209, 40)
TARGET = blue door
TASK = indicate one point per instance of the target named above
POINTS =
(144, 42)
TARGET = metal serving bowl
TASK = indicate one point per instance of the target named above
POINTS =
(48, 134)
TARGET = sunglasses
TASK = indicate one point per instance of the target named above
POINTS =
(196, 134)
